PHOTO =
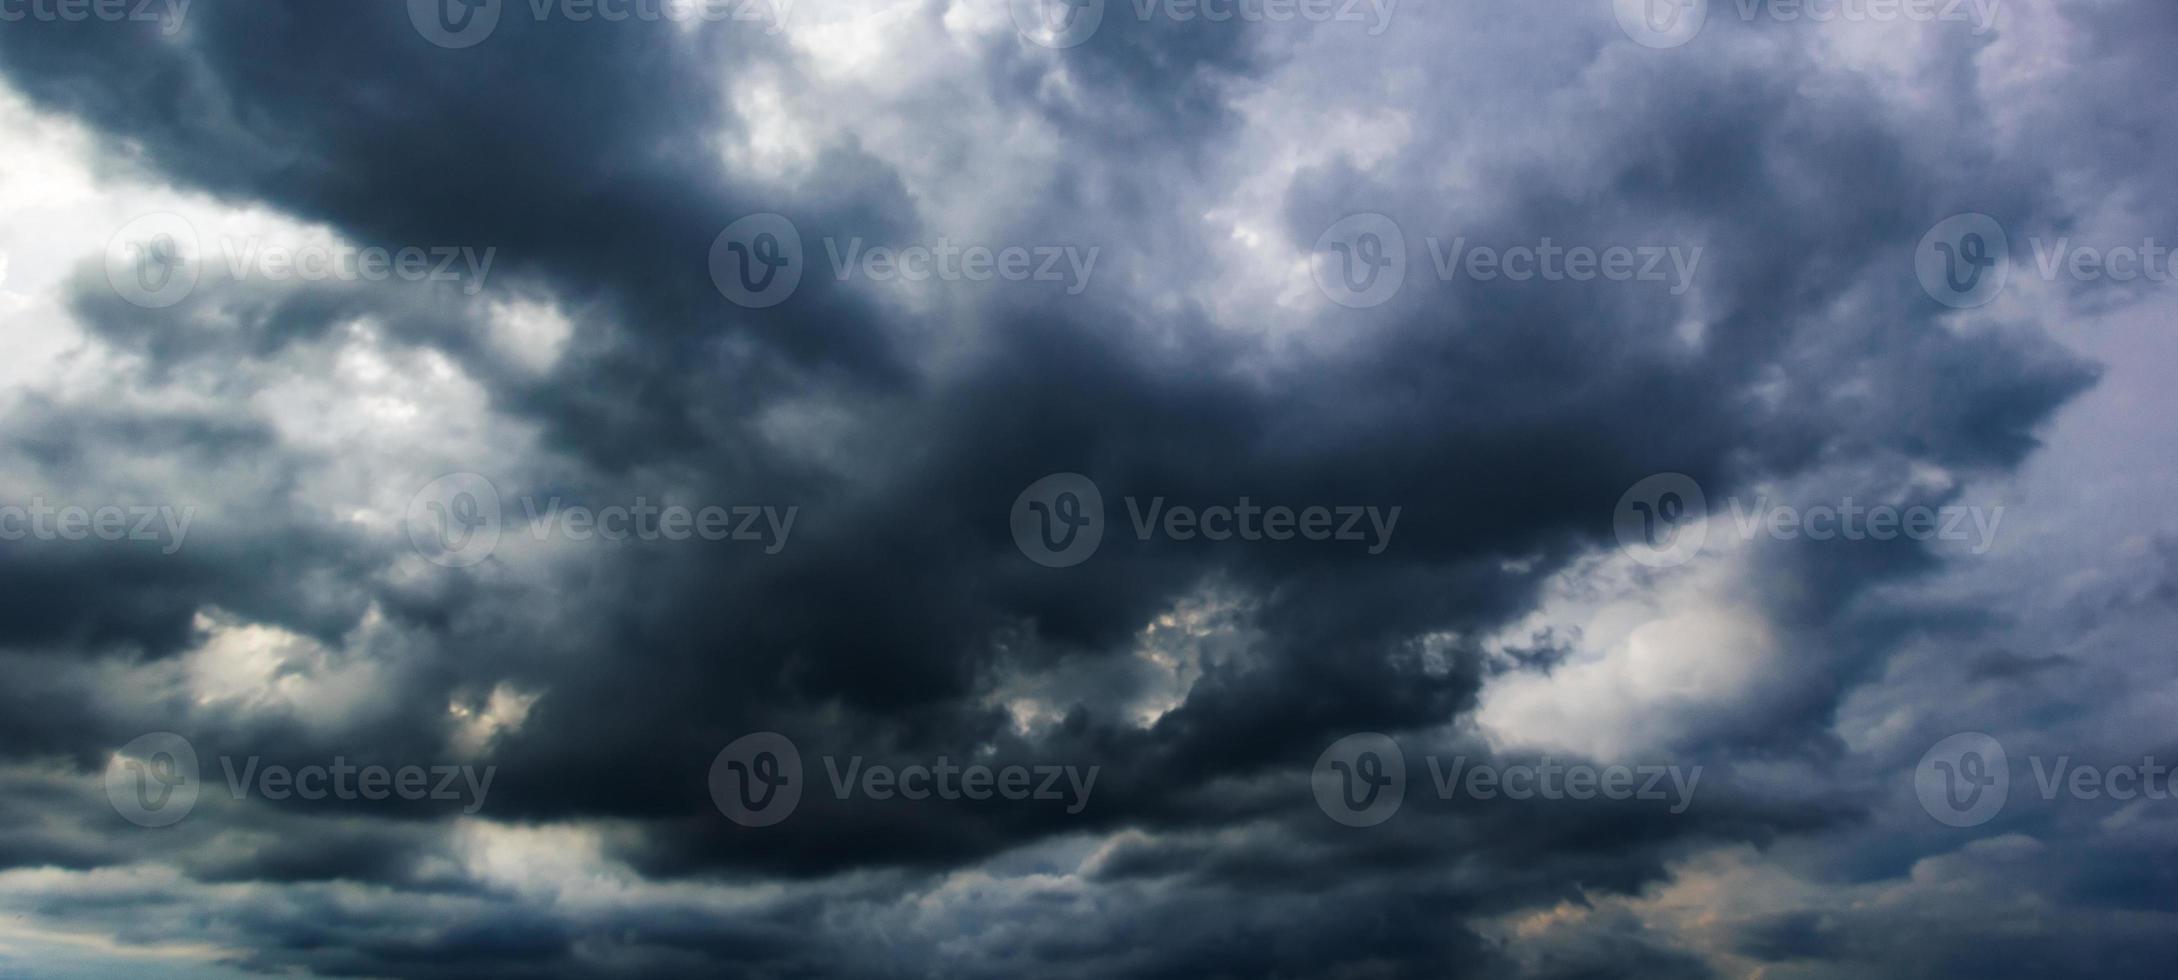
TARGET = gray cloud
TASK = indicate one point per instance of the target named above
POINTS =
(901, 623)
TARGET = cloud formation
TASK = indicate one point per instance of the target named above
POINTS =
(1783, 173)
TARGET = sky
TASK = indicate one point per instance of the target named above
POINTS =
(1088, 488)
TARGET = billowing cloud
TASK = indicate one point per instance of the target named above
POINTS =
(518, 414)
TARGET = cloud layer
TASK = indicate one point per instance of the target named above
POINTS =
(1785, 354)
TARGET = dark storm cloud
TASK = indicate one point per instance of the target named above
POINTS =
(141, 594)
(1505, 420)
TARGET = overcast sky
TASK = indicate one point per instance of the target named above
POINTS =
(1088, 488)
